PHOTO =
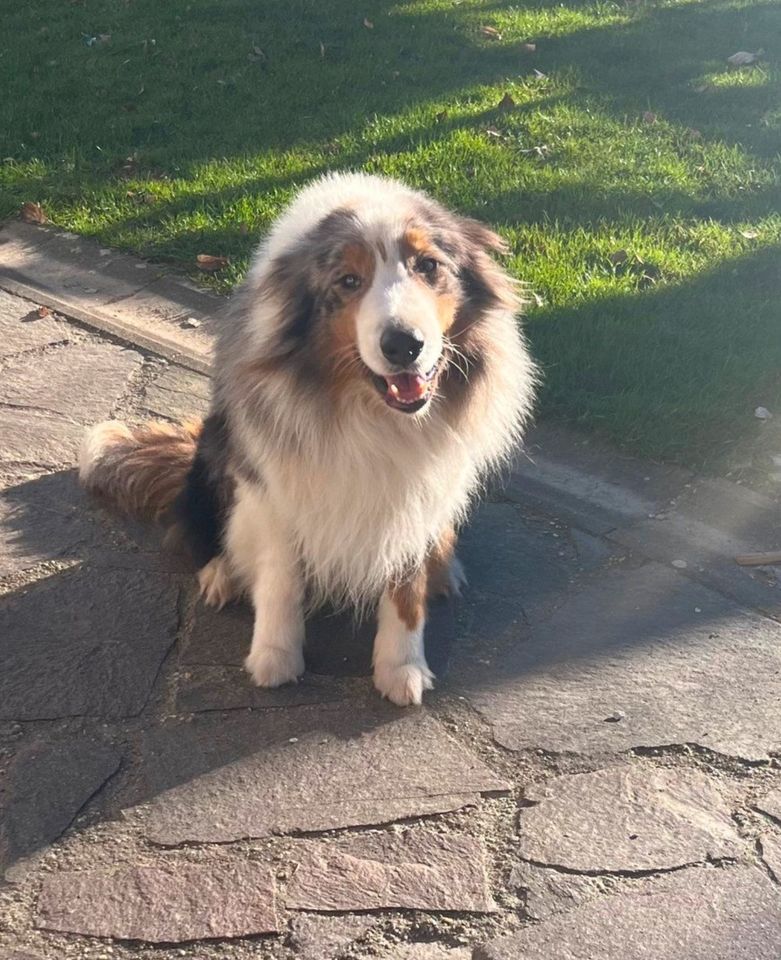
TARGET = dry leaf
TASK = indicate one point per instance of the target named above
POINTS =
(493, 132)
(368, 24)
(506, 103)
(43, 312)
(192, 323)
(743, 58)
(441, 116)
(33, 213)
(210, 264)
(257, 55)
(539, 75)
(749, 234)
(649, 117)
(491, 32)
(529, 47)
(762, 413)
(618, 256)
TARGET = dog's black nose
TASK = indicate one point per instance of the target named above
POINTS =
(401, 346)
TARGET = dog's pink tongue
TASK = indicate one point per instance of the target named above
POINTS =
(406, 387)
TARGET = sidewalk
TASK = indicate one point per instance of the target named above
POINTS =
(595, 777)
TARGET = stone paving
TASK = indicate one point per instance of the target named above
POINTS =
(596, 775)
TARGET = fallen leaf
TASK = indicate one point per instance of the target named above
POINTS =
(104, 38)
(33, 213)
(618, 256)
(441, 116)
(322, 50)
(192, 323)
(762, 413)
(257, 54)
(749, 234)
(649, 117)
(491, 32)
(538, 300)
(744, 59)
(493, 132)
(43, 312)
(506, 103)
(368, 23)
(529, 47)
(210, 264)
(539, 75)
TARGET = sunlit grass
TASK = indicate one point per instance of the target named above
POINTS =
(636, 178)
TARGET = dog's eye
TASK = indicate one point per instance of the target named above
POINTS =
(426, 265)
(349, 281)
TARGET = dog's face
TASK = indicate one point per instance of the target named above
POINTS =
(384, 301)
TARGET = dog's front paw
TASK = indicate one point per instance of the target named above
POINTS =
(403, 683)
(273, 666)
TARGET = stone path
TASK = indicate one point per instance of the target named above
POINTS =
(596, 776)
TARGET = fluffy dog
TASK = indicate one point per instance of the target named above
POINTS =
(370, 375)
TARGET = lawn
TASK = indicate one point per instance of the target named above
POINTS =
(636, 176)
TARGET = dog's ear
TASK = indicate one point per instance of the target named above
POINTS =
(478, 235)
(486, 285)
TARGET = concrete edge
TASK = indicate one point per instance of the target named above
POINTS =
(157, 343)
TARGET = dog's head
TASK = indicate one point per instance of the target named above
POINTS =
(383, 294)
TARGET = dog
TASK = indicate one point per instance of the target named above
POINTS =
(369, 377)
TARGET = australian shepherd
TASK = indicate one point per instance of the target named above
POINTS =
(369, 376)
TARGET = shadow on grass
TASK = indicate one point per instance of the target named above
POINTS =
(694, 353)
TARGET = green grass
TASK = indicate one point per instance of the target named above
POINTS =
(189, 129)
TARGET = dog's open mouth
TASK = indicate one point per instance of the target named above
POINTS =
(408, 392)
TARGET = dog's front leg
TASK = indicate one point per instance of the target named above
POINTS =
(261, 550)
(400, 670)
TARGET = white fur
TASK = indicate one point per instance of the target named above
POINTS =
(260, 551)
(96, 442)
(400, 670)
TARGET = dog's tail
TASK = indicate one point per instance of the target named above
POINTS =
(141, 470)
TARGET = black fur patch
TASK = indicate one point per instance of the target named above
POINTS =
(203, 505)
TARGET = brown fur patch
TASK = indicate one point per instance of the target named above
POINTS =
(338, 337)
(141, 470)
(409, 598)
(438, 564)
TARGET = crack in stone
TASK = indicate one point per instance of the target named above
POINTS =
(627, 874)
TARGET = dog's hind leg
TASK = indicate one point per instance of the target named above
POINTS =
(261, 553)
(215, 582)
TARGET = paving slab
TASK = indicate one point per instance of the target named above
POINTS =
(80, 382)
(22, 329)
(44, 788)
(203, 689)
(698, 914)
(771, 804)
(427, 951)
(88, 642)
(170, 903)
(637, 658)
(770, 848)
(546, 892)
(508, 556)
(222, 778)
(627, 819)
(318, 937)
(417, 870)
(44, 518)
(178, 394)
(37, 438)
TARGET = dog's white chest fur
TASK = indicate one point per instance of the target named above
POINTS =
(370, 504)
